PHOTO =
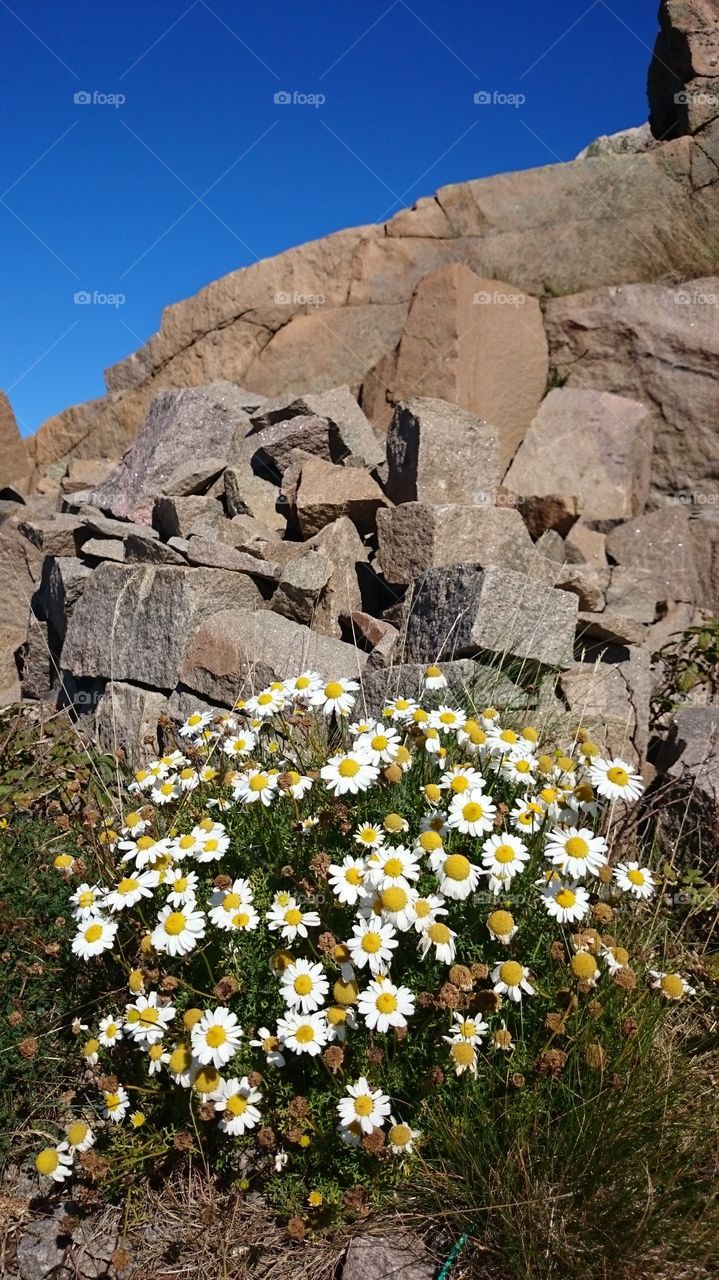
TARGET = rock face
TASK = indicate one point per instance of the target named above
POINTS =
(592, 445)
(417, 536)
(684, 73)
(441, 454)
(659, 345)
(478, 343)
(15, 466)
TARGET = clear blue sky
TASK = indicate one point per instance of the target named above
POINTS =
(199, 171)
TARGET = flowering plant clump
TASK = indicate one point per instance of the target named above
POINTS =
(313, 923)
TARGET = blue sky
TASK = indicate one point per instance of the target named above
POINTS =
(199, 171)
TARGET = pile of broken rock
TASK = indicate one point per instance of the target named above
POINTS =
(241, 539)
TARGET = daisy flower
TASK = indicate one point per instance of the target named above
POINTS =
(615, 779)
(401, 1138)
(303, 1032)
(304, 986)
(158, 1057)
(266, 703)
(296, 784)
(165, 792)
(79, 1136)
(86, 901)
(95, 935)
(456, 875)
(634, 879)
(383, 1005)
(335, 698)
(463, 1055)
(216, 1037)
(576, 851)
(364, 1106)
(565, 903)
(109, 1031)
(472, 738)
(519, 769)
(447, 719)
(212, 848)
(236, 1102)
(369, 835)
(396, 903)
(671, 985)
(380, 744)
(510, 979)
(434, 679)
(504, 856)
(270, 1046)
(438, 935)
(54, 1162)
(178, 931)
(146, 1021)
(350, 773)
(472, 813)
(145, 851)
(195, 723)
(301, 688)
(180, 1066)
(400, 710)
(393, 865)
(339, 1019)
(289, 918)
(255, 785)
(615, 957)
(372, 943)
(426, 909)
(129, 891)
(501, 927)
(460, 778)
(240, 744)
(116, 1104)
(182, 886)
(466, 1028)
(528, 816)
(308, 823)
(347, 879)
(189, 844)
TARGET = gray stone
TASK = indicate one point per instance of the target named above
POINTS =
(145, 550)
(247, 494)
(217, 555)
(64, 580)
(586, 582)
(85, 474)
(133, 622)
(614, 628)
(126, 720)
(353, 433)
(105, 527)
(342, 594)
(103, 549)
(180, 426)
(611, 699)
(183, 517)
(238, 651)
(592, 446)
(62, 535)
(439, 453)
(382, 1257)
(12, 640)
(193, 477)
(416, 536)
(246, 534)
(465, 609)
(634, 593)
(326, 492)
(688, 817)
(552, 546)
(589, 544)
(661, 544)
(273, 445)
(301, 585)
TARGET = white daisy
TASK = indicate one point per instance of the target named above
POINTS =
(349, 773)
(297, 784)
(384, 1005)
(438, 935)
(565, 903)
(393, 865)
(527, 816)
(146, 1021)
(301, 688)
(289, 918)
(380, 744)
(346, 879)
(425, 909)
(466, 1028)
(396, 903)
(266, 703)
(183, 887)
(145, 851)
(340, 1019)
(109, 1031)
(576, 851)
(671, 985)
(634, 879)
(400, 710)
(463, 1055)
(55, 1162)
(129, 891)
(178, 931)
(504, 856)
(457, 877)
(270, 1046)
(240, 744)
(303, 1032)
(335, 698)
(461, 778)
(236, 1102)
(615, 779)
(434, 679)
(471, 813)
(510, 979)
(364, 1106)
(615, 957)
(372, 943)
(79, 1136)
(304, 985)
(165, 792)
(369, 835)
(116, 1104)
(157, 1057)
(212, 848)
(216, 1037)
(86, 901)
(447, 719)
(95, 935)
(255, 785)
(195, 723)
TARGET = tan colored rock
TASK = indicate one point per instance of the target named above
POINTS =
(439, 453)
(87, 473)
(126, 721)
(478, 343)
(301, 585)
(415, 536)
(592, 446)
(658, 344)
(326, 492)
(661, 544)
(684, 74)
(342, 594)
(588, 543)
(15, 465)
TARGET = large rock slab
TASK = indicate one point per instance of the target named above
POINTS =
(342, 595)
(351, 432)
(326, 492)
(661, 544)
(658, 344)
(591, 446)
(180, 426)
(301, 585)
(476, 342)
(133, 622)
(683, 80)
(439, 453)
(126, 720)
(63, 581)
(417, 536)
(688, 812)
(15, 465)
(611, 699)
(236, 650)
(463, 610)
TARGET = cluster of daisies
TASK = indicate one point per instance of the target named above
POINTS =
(489, 812)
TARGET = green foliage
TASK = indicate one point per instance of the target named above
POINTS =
(688, 663)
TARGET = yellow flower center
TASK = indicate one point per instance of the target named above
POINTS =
(186, 842)
(577, 847)
(618, 775)
(394, 823)
(345, 993)
(145, 843)
(231, 900)
(364, 1105)
(77, 1133)
(566, 898)
(191, 1017)
(293, 916)
(447, 717)
(472, 811)
(523, 766)
(264, 699)
(305, 1034)
(86, 898)
(91, 1046)
(241, 920)
(353, 876)
(336, 1016)
(128, 885)
(393, 867)
(47, 1161)
(422, 908)
(303, 984)
(504, 853)
(237, 1104)
(400, 1135)
(467, 1028)
(501, 923)
(155, 1052)
(258, 782)
(175, 923)
(371, 942)
(386, 1003)
(583, 966)
(112, 1100)
(439, 933)
(394, 899)
(215, 1036)
(149, 1017)
(457, 867)
(459, 783)
(180, 1060)
(430, 841)
(333, 689)
(463, 1053)
(508, 735)
(349, 768)
(93, 933)
(636, 876)
(433, 671)
(302, 682)
(207, 1080)
(379, 742)
(511, 973)
(672, 986)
